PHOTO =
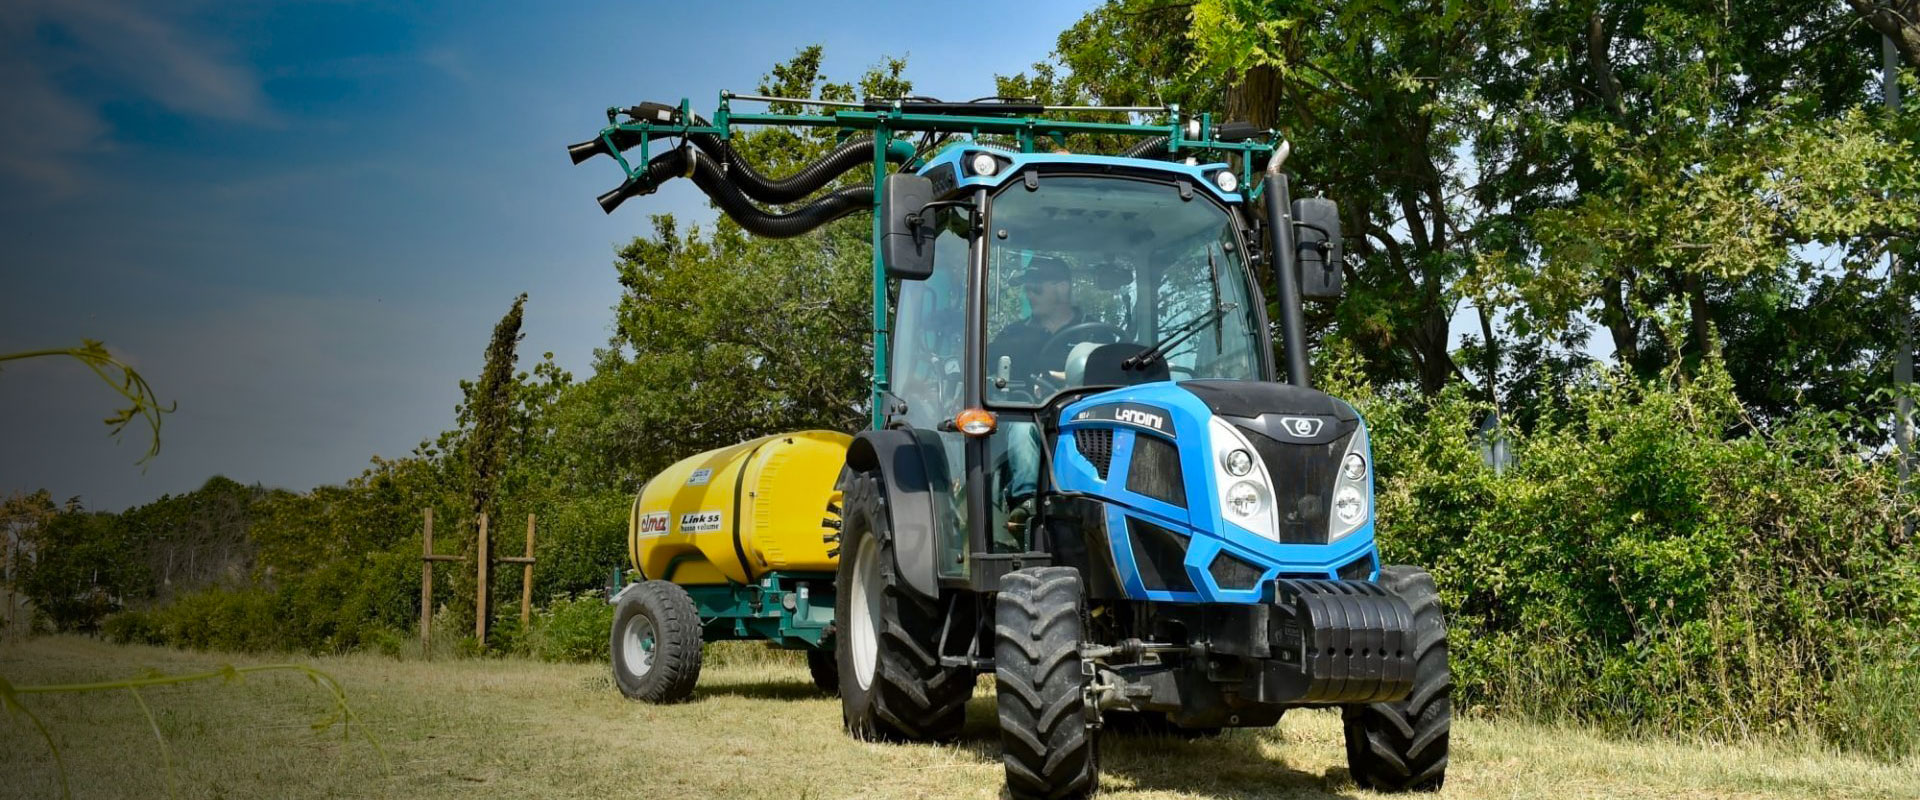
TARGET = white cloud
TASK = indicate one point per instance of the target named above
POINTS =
(49, 46)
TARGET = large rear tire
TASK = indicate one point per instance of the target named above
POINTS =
(656, 643)
(1402, 747)
(1049, 748)
(887, 639)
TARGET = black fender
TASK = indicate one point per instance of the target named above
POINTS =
(911, 466)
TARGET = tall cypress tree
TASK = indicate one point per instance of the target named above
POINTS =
(490, 410)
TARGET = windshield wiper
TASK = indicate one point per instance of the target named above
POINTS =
(1213, 275)
(1175, 337)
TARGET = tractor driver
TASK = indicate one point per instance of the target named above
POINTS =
(1024, 344)
(1049, 289)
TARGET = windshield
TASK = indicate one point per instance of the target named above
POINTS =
(1085, 273)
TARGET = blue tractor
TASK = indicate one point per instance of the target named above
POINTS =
(1090, 473)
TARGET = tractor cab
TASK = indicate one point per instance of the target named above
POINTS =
(1083, 341)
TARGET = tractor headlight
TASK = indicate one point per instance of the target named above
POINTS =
(1245, 490)
(1349, 506)
(1352, 490)
(1244, 500)
(1227, 181)
(984, 164)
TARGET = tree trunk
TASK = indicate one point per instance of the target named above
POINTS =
(1255, 97)
(1620, 323)
(1492, 362)
(1898, 20)
(1702, 316)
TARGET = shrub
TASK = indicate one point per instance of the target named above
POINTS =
(1651, 560)
(571, 628)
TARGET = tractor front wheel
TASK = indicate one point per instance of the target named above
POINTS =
(886, 638)
(1402, 747)
(1050, 749)
(656, 643)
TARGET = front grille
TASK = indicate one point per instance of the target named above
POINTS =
(1230, 572)
(1160, 555)
(1359, 569)
(1303, 479)
(1155, 470)
(1096, 444)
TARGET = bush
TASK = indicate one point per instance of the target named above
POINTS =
(337, 608)
(1652, 562)
(571, 628)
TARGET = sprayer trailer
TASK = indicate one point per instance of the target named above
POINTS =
(1089, 473)
(727, 545)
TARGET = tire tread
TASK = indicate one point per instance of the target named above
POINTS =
(1400, 747)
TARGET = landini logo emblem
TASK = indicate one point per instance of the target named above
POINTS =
(1301, 427)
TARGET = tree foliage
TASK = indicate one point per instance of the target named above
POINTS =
(1686, 178)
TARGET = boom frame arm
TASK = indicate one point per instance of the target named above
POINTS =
(1193, 135)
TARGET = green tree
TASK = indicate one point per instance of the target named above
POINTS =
(484, 449)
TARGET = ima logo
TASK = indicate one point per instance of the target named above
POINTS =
(654, 524)
(1301, 427)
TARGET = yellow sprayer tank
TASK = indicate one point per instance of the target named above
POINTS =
(737, 513)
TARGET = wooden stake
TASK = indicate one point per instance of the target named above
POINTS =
(481, 593)
(426, 587)
(526, 580)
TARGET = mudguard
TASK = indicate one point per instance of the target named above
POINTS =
(908, 467)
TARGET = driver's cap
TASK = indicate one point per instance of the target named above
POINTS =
(1045, 269)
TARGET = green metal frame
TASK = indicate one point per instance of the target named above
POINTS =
(1026, 130)
(760, 610)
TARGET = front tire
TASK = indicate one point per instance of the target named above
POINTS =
(1402, 747)
(1049, 748)
(886, 638)
(656, 643)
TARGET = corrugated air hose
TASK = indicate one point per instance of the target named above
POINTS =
(734, 202)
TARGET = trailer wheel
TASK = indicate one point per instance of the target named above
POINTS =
(886, 638)
(656, 643)
(1048, 746)
(1399, 747)
(823, 665)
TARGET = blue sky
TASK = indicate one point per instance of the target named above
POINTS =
(301, 220)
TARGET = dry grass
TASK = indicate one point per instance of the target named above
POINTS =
(509, 728)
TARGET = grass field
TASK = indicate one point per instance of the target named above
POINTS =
(756, 728)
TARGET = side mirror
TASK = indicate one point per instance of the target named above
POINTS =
(1316, 222)
(906, 236)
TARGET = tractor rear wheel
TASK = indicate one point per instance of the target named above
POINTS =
(1048, 746)
(656, 643)
(1401, 747)
(887, 639)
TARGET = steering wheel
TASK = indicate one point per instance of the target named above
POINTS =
(1075, 333)
(1083, 332)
